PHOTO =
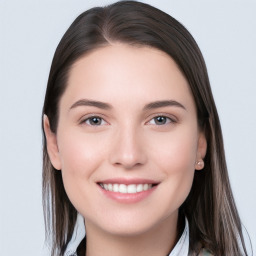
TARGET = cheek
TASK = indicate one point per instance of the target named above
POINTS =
(76, 154)
(80, 156)
(175, 152)
(175, 157)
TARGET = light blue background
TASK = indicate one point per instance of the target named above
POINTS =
(29, 33)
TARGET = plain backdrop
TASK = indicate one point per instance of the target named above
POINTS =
(29, 33)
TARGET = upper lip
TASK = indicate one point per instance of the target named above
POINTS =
(128, 181)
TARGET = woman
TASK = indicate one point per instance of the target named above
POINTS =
(133, 150)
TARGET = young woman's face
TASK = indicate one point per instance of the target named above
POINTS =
(127, 140)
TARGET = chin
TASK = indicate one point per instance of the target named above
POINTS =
(131, 224)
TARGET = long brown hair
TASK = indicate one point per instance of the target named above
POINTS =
(210, 208)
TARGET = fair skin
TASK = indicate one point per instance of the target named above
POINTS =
(129, 142)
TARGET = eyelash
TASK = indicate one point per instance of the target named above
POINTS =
(169, 120)
(90, 118)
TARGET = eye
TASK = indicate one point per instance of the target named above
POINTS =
(94, 121)
(161, 120)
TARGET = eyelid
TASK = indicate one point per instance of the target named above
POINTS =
(91, 115)
(83, 119)
(171, 117)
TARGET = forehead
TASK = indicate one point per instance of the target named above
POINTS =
(121, 73)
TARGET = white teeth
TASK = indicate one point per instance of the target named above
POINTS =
(145, 187)
(115, 187)
(131, 188)
(139, 188)
(122, 188)
(110, 187)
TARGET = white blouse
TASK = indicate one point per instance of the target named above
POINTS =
(181, 248)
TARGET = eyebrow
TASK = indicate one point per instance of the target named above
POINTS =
(163, 103)
(106, 106)
(92, 103)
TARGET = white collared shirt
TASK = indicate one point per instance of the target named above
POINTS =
(181, 248)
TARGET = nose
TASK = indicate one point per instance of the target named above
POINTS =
(128, 150)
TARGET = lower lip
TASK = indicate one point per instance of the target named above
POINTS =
(128, 197)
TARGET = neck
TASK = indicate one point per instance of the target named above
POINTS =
(159, 240)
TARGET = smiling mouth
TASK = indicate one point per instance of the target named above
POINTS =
(126, 189)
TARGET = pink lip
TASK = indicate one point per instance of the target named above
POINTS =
(128, 181)
(126, 197)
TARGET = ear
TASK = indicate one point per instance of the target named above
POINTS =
(52, 146)
(201, 151)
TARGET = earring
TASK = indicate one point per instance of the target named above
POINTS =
(200, 164)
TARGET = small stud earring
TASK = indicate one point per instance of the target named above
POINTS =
(200, 164)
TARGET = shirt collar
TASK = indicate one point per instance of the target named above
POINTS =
(181, 248)
(77, 236)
